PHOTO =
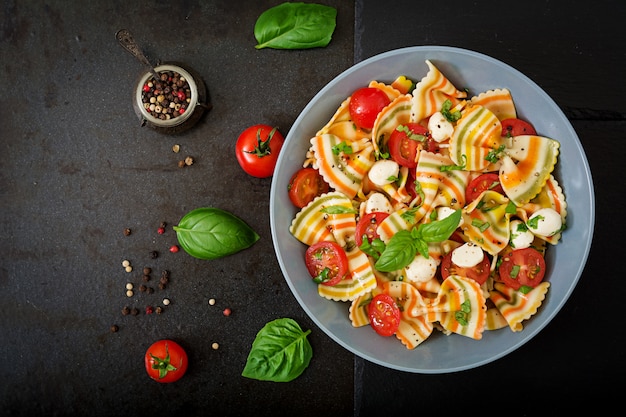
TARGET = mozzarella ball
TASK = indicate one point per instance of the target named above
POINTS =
(520, 236)
(384, 172)
(421, 269)
(467, 255)
(440, 128)
(377, 202)
(545, 222)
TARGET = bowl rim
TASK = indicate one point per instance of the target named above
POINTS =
(587, 219)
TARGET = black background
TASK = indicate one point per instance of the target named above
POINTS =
(76, 169)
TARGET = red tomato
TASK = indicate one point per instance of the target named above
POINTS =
(367, 225)
(305, 185)
(166, 361)
(483, 182)
(522, 267)
(516, 127)
(478, 273)
(257, 150)
(384, 314)
(365, 104)
(327, 262)
(403, 147)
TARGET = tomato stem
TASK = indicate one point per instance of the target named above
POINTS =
(163, 365)
(262, 147)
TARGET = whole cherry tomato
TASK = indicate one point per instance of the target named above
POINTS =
(166, 361)
(365, 104)
(257, 150)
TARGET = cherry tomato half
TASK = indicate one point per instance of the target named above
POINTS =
(367, 225)
(403, 147)
(166, 361)
(384, 314)
(478, 273)
(327, 262)
(305, 185)
(522, 267)
(365, 104)
(483, 182)
(516, 127)
(257, 150)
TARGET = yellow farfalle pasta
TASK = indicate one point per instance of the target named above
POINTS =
(527, 165)
(459, 307)
(398, 112)
(515, 306)
(498, 101)
(360, 281)
(486, 221)
(477, 134)
(343, 171)
(431, 92)
(312, 224)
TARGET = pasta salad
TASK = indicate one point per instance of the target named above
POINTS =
(427, 209)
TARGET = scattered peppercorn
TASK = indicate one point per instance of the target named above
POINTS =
(134, 311)
(127, 231)
(174, 248)
(147, 270)
(161, 230)
(114, 328)
(158, 310)
(129, 293)
(142, 288)
(162, 286)
(181, 164)
(188, 161)
(166, 301)
(165, 273)
(215, 346)
(226, 312)
(150, 290)
(176, 148)
(129, 286)
(125, 311)
(154, 254)
(212, 301)
(149, 310)
(146, 278)
(164, 280)
(125, 263)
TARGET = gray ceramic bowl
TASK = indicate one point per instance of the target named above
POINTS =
(566, 261)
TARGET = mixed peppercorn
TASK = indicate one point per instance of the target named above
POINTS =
(168, 97)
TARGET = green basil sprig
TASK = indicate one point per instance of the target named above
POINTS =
(280, 352)
(405, 244)
(295, 26)
(211, 233)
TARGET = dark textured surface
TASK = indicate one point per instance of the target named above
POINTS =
(570, 51)
(76, 169)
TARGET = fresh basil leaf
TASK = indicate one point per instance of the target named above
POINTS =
(211, 233)
(440, 230)
(280, 352)
(400, 251)
(295, 26)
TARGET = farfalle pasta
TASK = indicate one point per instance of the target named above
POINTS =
(437, 280)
